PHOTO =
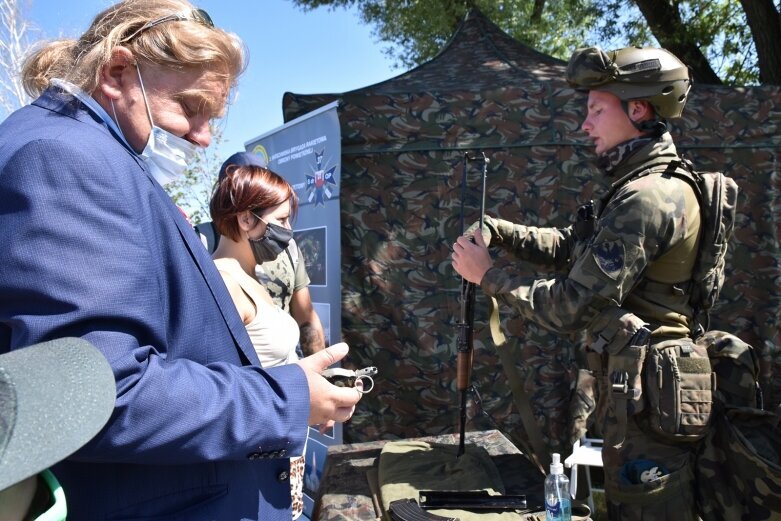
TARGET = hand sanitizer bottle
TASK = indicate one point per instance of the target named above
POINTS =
(557, 498)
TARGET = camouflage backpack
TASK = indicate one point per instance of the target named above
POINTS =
(718, 196)
(736, 366)
(739, 462)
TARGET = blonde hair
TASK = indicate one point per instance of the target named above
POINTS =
(187, 44)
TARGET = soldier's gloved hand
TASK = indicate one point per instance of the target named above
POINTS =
(490, 232)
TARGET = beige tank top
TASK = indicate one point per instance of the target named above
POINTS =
(273, 332)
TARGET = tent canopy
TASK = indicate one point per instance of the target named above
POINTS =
(403, 156)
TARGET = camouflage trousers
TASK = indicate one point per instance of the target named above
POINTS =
(671, 496)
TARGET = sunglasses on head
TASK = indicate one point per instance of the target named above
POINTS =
(196, 15)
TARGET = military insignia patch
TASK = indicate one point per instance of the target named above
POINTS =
(609, 256)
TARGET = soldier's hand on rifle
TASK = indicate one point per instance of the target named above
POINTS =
(487, 235)
(471, 259)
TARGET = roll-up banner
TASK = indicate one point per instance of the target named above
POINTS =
(307, 153)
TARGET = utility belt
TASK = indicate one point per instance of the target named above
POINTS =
(668, 385)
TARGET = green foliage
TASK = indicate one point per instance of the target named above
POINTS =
(417, 29)
(718, 27)
(193, 192)
(562, 26)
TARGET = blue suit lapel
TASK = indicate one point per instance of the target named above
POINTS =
(213, 280)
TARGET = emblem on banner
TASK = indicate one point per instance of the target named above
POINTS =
(260, 150)
(321, 182)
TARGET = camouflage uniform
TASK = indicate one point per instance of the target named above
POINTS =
(644, 242)
(284, 275)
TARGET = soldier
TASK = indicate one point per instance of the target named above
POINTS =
(636, 250)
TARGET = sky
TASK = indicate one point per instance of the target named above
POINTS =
(290, 50)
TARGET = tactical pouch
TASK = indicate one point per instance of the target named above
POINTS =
(582, 404)
(678, 385)
(624, 372)
(623, 337)
(597, 367)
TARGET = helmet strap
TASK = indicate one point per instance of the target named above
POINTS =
(655, 127)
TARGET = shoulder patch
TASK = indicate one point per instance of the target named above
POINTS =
(609, 256)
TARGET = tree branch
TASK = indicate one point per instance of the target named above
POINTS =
(764, 20)
(539, 6)
(665, 22)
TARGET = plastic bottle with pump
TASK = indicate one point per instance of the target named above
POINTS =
(558, 506)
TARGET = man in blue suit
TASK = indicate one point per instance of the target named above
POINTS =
(94, 248)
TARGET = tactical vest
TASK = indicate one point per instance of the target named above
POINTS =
(621, 353)
(661, 297)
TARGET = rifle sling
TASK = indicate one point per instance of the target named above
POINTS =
(541, 458)
(493, 323)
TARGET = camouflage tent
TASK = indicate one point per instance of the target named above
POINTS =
(402, 161)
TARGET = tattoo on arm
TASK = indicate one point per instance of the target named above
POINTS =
(311, 340)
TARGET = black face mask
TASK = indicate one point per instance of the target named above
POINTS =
(273, 242)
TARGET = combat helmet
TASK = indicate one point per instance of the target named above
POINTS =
(633, 73)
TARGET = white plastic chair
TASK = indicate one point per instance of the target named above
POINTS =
(587, 452)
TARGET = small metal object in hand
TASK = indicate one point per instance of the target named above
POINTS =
(341, 377)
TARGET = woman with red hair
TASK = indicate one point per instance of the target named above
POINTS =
(251, 209)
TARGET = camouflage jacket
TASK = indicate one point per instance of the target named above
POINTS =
(284, 275)
(648, 225)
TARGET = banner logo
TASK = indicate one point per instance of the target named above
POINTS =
(260, 150)
(321, 182)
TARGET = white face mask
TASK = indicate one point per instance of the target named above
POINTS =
(166, 155)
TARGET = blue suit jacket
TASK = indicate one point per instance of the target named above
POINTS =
(92, 247)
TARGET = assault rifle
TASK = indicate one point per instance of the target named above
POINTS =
(472, 500)
(466, 321)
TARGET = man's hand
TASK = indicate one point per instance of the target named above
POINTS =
(327, 402)
(471, 259)
(487, 230)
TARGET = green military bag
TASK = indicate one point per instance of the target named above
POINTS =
(739, 466)
(739, 462)
(737, 369)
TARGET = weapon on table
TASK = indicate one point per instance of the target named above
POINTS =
(474, 501)
(409, 510)
(466, 322)
(471, 500)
